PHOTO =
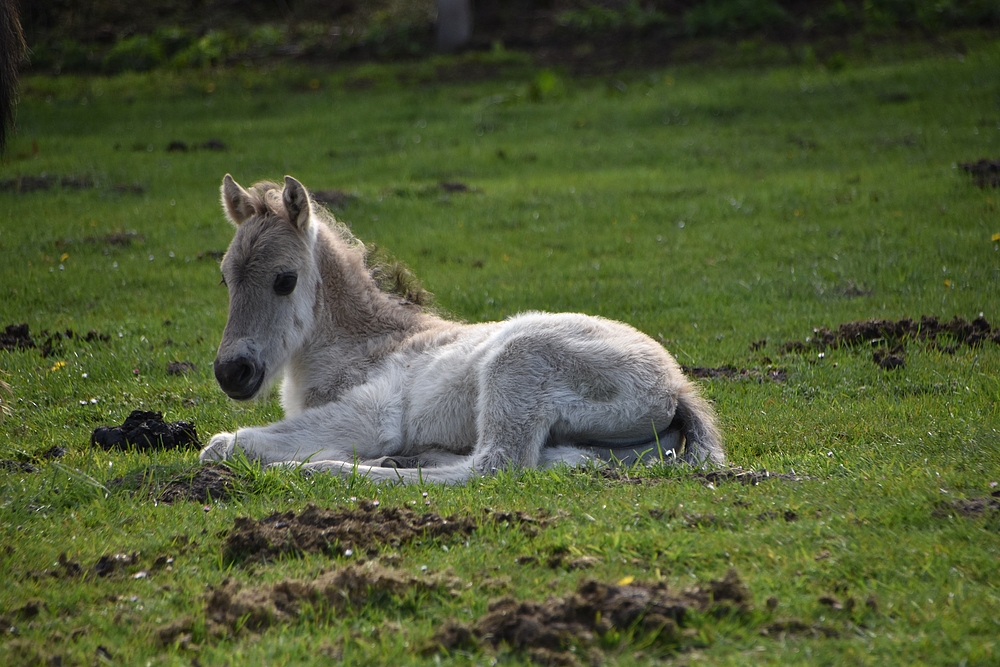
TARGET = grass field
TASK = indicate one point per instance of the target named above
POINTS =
(726, 211)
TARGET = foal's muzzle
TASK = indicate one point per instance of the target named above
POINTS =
(240, 378)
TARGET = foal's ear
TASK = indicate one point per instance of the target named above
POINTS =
(296, 201)
(236, 201)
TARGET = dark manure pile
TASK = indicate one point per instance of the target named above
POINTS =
(337, 532)
(143, 430)
(985, 173)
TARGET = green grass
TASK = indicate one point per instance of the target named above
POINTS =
(750, 215)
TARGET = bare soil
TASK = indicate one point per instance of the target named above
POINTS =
(180, 367)
(985, 172)
(34, 462)
(201, 484)
(713, 477)
(550, 631)
(728, 372)
(232, 607)
(956, 331)
(18, 337)
(337, 532)
(970, 507)
(889, 338)
(144, 431)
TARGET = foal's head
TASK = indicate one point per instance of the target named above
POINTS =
(272, 278)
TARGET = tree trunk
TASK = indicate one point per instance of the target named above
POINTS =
(454, 24)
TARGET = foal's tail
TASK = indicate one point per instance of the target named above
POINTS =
(703, 442)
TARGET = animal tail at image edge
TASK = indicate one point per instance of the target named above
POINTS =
(703, 442)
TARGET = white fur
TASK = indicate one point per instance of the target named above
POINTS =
(367, 376)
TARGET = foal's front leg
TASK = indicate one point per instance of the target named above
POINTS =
(363, 425)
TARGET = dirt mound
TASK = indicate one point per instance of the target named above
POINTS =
(336, 532)
(203, 485)
(714, 477)
(927, 328)
(145, 431)
(732, 373)
(550, 631)
(969, 507)
(20, 465)
(889, 337)
(231, 607)
(985, 173)
(18, 337)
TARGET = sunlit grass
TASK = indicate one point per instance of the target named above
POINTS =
(711, 208)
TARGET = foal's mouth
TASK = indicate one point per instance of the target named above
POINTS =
(246, 393)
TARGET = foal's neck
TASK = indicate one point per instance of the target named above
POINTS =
(350, 301)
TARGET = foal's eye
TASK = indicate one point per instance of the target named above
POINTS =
(284, 283)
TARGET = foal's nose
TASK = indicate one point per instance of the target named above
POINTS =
(238, 377)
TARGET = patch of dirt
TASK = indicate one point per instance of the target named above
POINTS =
(15, 465)
(744, 476)
(969, 507)
(18, 337)
(781, 628)
(550, 631)
(105, 566)
(232, 607)
(927, 328)
(204, 484)
(336, 532)
(985, 173)
(732, 373)
(122, 239)
(110, 564)
(145, 431)
(454, 186)
(713, 477)
(180, 367)
(129, 188)
(332, 198)
(890, 337)
(890, 359)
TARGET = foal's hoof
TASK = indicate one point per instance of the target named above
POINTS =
(219, 448)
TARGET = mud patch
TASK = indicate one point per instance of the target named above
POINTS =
(232, 607)
(890, 332)
(781, 628)
(106, 566)
(337, 532)
(332, 198)
(969, 507)
(18, 337)
(732, 373)
(27, 183)
(204, 484)
(890, 337)
(145, 431)
(180, 367)
(32, 464)
(713, 477)
(985, 173)
(550, 632)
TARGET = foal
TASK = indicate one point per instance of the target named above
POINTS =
(374, 385)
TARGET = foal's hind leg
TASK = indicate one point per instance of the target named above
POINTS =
(516, 408)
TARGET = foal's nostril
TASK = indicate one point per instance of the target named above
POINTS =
(236, 376)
